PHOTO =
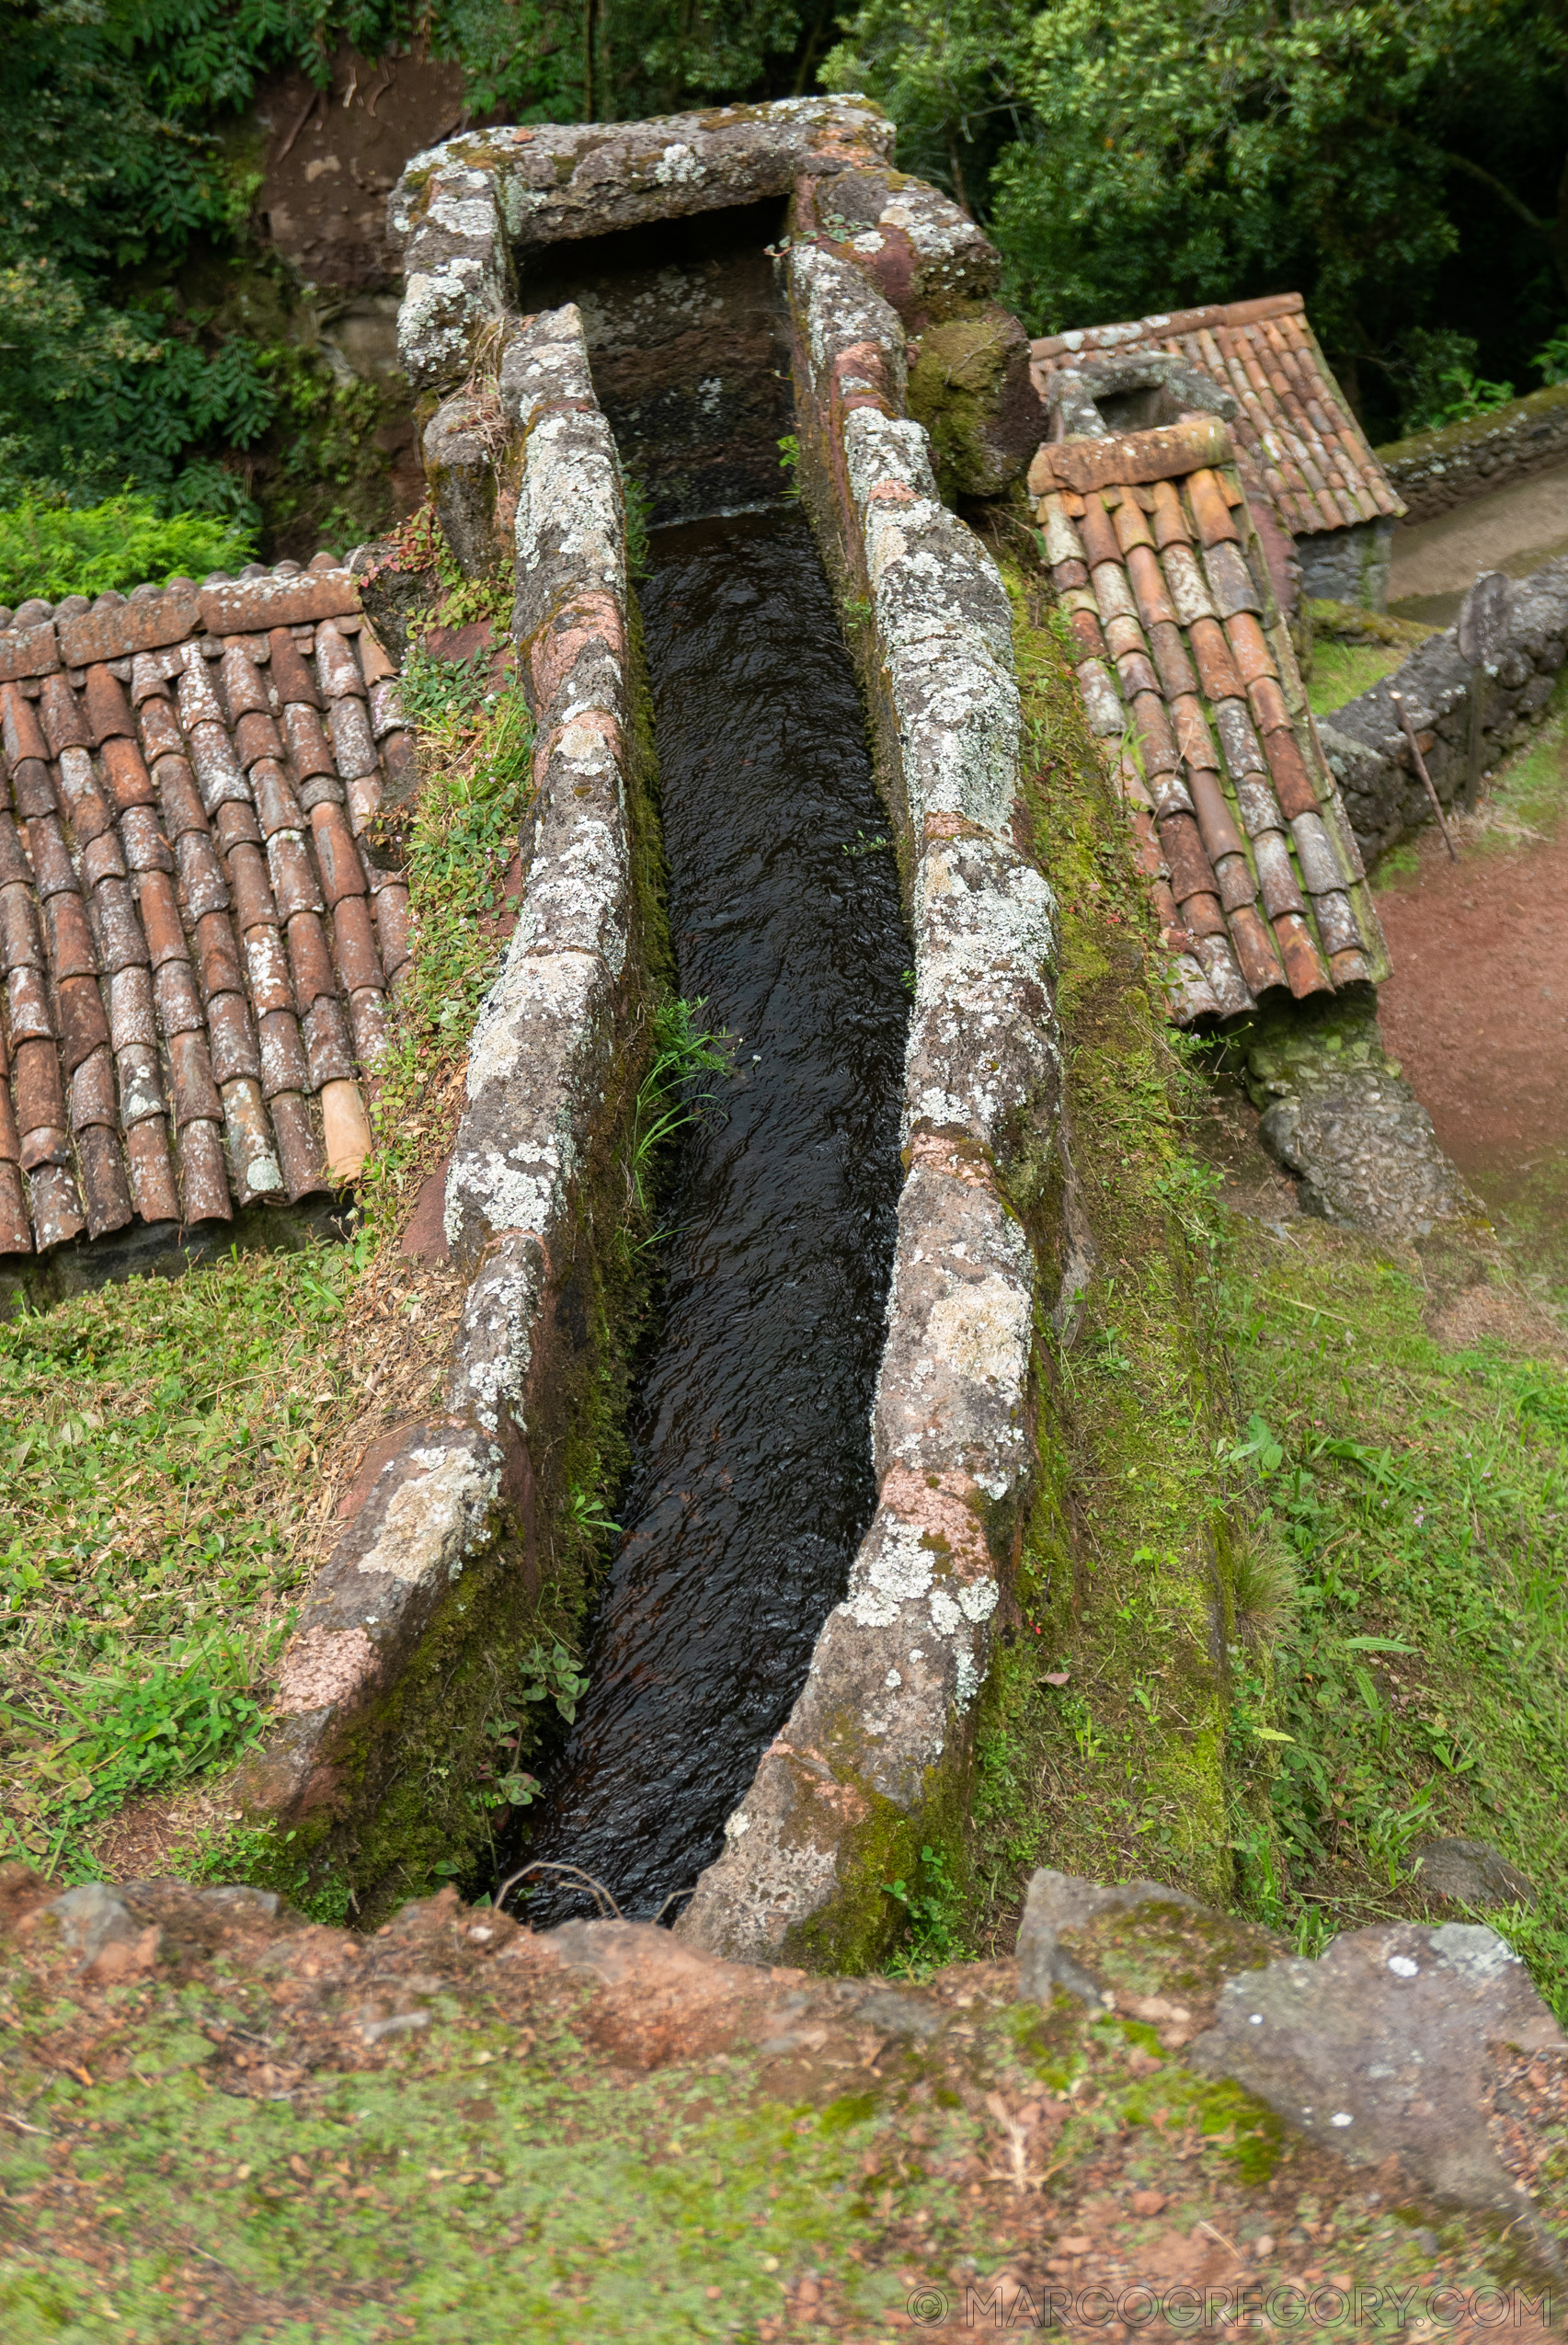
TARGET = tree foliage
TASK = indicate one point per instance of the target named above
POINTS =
(1134, 155)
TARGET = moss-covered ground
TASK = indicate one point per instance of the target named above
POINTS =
(228, 2151)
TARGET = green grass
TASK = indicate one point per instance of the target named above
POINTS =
(158, 1436)
(1341, 672)
(1422, 1498)
(1527, 792)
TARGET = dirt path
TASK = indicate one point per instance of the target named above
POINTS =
(1514, 528)
(1477, 1008)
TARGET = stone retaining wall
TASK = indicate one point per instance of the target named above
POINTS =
(444, 1519)
(1434, 471)
(876, 1755)
(1364, 742)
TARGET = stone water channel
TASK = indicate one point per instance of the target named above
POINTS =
(752, 1482)
(829, 1611)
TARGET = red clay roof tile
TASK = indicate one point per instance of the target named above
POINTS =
(1293, 423)
(79, 779)
(1208, 844)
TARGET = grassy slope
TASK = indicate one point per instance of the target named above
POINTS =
(1423, 1495)
(159, 1447)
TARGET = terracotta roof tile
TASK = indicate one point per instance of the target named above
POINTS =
(1294, 425)
(197, 953)
(1190, 684)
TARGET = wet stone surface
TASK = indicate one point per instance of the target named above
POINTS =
(751, 1482)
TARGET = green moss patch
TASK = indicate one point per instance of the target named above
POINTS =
(1342, 671)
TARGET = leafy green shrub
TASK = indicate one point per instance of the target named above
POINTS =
(53, 550)
(1551, 362)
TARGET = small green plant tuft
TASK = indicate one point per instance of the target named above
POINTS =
(668, 1097)
(550, 1673)
(932, 1907)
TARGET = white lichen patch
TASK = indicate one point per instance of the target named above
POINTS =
(842, 309)
(569, 502)
(497, 1343)
(886, 451)
(897, 1570)
(555, 991)
(434, 1516)
(677, 166)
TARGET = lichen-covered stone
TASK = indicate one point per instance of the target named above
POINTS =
(1336, 1112)
(421, 1506)
(953, 1390)
(983, 1052)
(461, 453)
(1365, 740)
(840, 312)
(494, 1348)
(461, 211)
(445, 217)
(1383, 2047)
(920, 248)
(970, 385)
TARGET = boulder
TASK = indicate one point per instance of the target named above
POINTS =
(1471, 1873)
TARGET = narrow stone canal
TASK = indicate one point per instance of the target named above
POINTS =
(751, 1480)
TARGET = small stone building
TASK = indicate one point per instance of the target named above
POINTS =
(1305, 462)
(197, 935)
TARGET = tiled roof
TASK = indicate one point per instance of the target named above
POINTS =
(1187, 672)
(196, 947)
(1294, 426)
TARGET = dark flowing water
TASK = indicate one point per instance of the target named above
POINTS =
(751, 1479)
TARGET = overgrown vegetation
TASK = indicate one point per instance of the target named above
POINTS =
(1402, 166)
(52, 550)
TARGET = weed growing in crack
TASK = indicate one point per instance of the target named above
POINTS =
(638, 504)
(931, 1908)
(668, 1097)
